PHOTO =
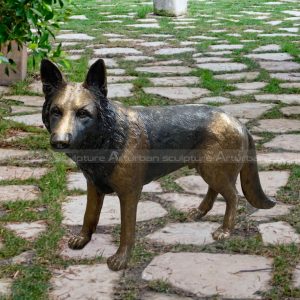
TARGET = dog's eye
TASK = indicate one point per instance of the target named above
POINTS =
(82, 113)
(56, 111)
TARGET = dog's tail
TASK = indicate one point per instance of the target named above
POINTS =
(250, 180)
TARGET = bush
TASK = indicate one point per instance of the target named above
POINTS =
(31, 23)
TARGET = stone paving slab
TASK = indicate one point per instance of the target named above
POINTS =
(249, 110)
(74, 37)
(290, 85)
(24, 109)
(270, 56)
(18, 135)
(292, 77)
(186, 202)
(223, 67)
(268, 48)
(193, 184)
(116, 71)
(285, 98)
(168, 62)
(274, 66)
(206, 275)
(109, 62)
(21, 173)
(185, 233)
(29, 231)
(158, 296)
(175, 81)
(18, 192)
(74, 208)
(265, 159)
(177, 93)
(36, 87)
(238, 76)
(239, 93)
(138, 58)
(214, 59)
(217, 99)
(152, 187)
(118, 79)
(173, 51)
(285, 141)
(27, 100)
(255, 85)
(100, 245)
(30, 120)
(277, 125)
(116, 51)
(76, 180)
(78, 17)
(153, 44)
(280, 209)
(81, 282)
(5, 287)
(296, 277)
(7, 154)
(202, 37)
(25, 258)
(4, 90)
(165, 69)
(120, 90)
(271, 182)
(226, 47)
(278, 233)
(150, 25)
(290, 110)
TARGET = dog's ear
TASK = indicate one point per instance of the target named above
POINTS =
(96, 77)
(51, 77)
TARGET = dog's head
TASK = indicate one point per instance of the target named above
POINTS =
(74, 113)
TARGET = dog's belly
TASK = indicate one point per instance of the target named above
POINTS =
(174, 133)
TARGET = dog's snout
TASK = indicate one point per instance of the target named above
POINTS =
(60, 141)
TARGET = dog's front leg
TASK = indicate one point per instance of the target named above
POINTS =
(91, 218)
(128, 203)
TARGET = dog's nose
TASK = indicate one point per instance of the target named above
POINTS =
(60, 141)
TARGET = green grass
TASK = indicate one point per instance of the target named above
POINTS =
(143, 11)
(32, 281)
(159, 286)
(209, 82)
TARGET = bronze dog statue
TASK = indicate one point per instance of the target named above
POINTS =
(82, 120)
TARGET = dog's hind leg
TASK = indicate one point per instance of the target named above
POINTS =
(221, 178)
(230, 194)
(205, 206)
(91, 218)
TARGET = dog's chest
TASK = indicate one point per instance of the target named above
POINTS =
(99, 175)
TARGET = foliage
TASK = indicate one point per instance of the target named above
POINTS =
(31, 23)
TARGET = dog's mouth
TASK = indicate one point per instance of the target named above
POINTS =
(60, 147)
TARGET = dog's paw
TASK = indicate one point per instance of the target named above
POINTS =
(195, 214)
(117, 262)
(78, 242)
(221, 234)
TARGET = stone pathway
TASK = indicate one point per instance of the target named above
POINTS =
(206, 275)
(243, 59)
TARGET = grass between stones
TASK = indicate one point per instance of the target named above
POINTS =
(31, 281)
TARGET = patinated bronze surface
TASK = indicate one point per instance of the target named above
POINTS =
(86, 126)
